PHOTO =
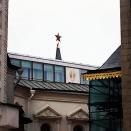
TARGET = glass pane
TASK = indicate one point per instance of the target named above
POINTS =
(83, 81)
(37, 71)
(15, 62)
(26, 66)
(59, 74)
(48, 72)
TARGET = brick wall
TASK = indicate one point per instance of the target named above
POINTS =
(3, 47)
(126, 62)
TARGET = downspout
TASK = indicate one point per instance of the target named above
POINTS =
(32, 93)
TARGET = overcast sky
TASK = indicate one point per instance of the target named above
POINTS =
(90, 29)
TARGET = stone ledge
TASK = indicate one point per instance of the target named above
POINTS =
(9, 116)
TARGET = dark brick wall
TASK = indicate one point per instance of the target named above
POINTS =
(3, 48)
(126, 62)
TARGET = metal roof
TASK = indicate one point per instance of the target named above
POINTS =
(110, 69)
(114, 60)
(52, 61)
(54, 86)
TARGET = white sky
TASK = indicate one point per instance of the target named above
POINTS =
(90, 29)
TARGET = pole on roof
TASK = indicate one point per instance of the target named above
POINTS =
(58, 53)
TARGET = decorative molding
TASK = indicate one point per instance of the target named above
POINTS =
(106, 75)
(78, 114)
(62, 100)
(47, 112)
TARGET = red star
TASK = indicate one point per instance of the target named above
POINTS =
(58, 37)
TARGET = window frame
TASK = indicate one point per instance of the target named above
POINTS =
(34, 62)
(44, 72)
(81, 79)
(64, 75)
(30, 75)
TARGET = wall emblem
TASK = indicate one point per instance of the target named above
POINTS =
(72, 75)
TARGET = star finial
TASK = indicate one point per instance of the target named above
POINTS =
(58, 37)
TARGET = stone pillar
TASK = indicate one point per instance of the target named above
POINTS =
(10, 85)
(126, 62)
(58, 125)
(3, 48)
(69, 125)
(9, 114)
(3, 129)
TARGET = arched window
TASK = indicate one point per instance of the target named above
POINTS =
(78, 128)
(45, 127)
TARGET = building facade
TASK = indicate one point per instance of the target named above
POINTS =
(52, 93)
(22, 95)
(35, 68)
(105, 97)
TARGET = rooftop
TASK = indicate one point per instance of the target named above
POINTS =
(54, 86)
(51, 61)
(114, 61)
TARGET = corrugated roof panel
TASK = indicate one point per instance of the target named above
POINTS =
(23, 82)
(37, 85)
(42, 85)
(61, 86)
(79, 87)
(66, 86)
(71, 88)
(55, 86)
(85, 87)
(49, 85)
(30, 84)
(74, 87)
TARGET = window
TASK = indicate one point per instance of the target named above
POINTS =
(48, 72)
(59, 74)
(83, 81)
(27, 73)
(78, 128)
(37, 71)
(15, 62)
(45, 127)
